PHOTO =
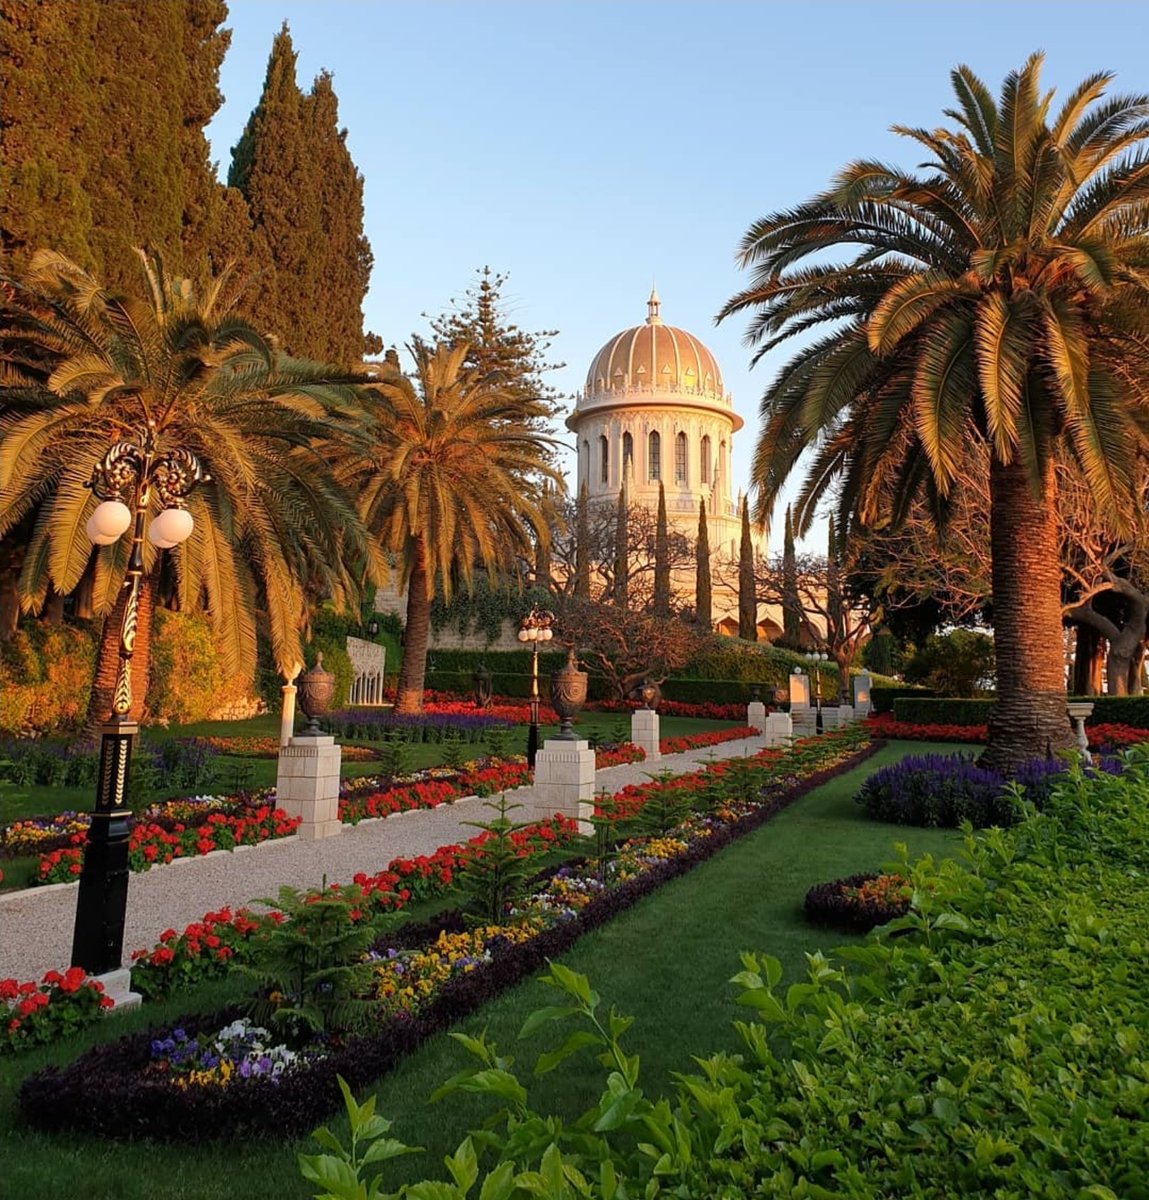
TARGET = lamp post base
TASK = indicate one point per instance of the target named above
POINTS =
(102, 898)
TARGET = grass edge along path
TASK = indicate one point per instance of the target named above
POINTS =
(665, 961)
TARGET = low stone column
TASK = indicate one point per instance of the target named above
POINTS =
(756, 715)
(644, 725)
(799, 691)
(307, 784)
(847, 714)
(287, 715)
(779, 729)
(863, 694)
(564, 782)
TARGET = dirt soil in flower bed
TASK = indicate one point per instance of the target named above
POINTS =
(104, 1092)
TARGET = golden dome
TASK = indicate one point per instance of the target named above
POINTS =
(654, 357)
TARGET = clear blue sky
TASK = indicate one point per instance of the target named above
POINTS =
(589, 149)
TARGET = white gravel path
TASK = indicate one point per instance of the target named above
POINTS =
(36, 924)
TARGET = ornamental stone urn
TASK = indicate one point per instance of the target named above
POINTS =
(649, 693)
(568, 695)
(316, 690)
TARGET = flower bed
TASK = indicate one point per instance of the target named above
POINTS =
(268, 747)
(39, 835)
(947, 789)
(151, 843)
(859, 903)
(33, 1014)
(1101, 737)
(431, 788)
(109, 1090)
(617, 756)
(714, 737)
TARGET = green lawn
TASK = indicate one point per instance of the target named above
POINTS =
(666, 961)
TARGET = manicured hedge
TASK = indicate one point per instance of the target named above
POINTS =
(883, 696)
(929, 710)
(922, 709)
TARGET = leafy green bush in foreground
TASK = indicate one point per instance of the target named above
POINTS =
(998, 1048)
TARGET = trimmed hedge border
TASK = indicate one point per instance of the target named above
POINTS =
(101, 1091)
(825, 905)
(883, 696)
(921, 709)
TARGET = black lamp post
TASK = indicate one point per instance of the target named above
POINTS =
(124, 481)
(535, 627)
(815, 659)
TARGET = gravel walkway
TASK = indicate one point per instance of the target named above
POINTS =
(36, 924)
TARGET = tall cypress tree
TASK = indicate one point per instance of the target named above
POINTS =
(582, 546)
(747, 593)
(621, 555)
(661, 558)
(306, 202)
(791, 605)
(105, 107)
(703, 613)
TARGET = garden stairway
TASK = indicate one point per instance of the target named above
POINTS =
(36, 924)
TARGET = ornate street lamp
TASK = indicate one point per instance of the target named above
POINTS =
(124, 482)
(815, 659)
(535, 627)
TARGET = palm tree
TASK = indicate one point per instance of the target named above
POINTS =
(272, 528)
(995, 296)
(454, 483)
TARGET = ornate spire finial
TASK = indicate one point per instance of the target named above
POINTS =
(652, 307)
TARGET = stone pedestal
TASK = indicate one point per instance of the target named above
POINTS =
(799, 691)
(804, 721)
(756, 715)
(834, 716)
(1079, 712)
(118, 985)
(564, 782)
(307, 784)
(863, 698)
(779, 729)
(644, 732)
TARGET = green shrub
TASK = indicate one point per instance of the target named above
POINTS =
(958, 663)
(46, 674)
(1119, 710)
(882, 696)
(929, 710)
(187, 681)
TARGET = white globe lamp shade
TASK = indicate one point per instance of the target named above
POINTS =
(109, 522)
(548, 634)
(524, 636)
(172, 526)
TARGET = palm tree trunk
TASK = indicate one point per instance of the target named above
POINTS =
(108, 662)
(417, 635)
(1087, 662)
(1030, 717)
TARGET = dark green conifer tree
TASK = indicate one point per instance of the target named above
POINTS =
(306, 202)
(103, 146)
(582, 546)
(621, 551)
(703, 609)
(747, 593)
(791, 604)
(661, 557)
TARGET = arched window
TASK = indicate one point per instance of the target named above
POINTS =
(722, 460)
(585, 472)
(680, 458)
(654, 454)
(627, 452)
(705, 460)
(604, 453)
